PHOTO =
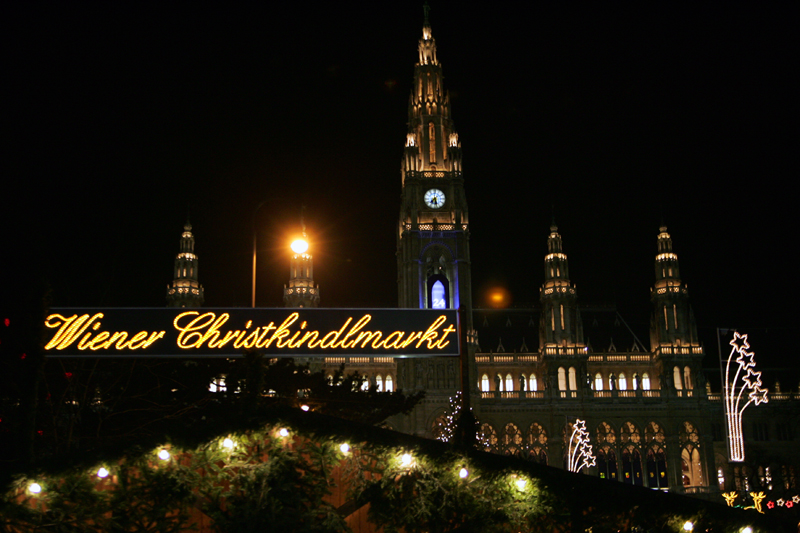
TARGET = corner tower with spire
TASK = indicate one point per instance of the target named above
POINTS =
(433, 260)
(185, 290)
(560, 323)
(673, 331)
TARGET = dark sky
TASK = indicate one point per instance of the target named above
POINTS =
(124, 115)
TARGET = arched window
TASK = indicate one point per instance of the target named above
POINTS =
(379, 382)
(437, 295)
(630, 440)
(532, 382)
(365, 382)
(487, 438)
(623, 381)
(485, 383)
(690, 456)
(512, 439)
(645, 381)
(509, 382)
(537, 443)
(388, 383)
(562, 379)
(438, 292)
(687, 378)
(656, 456)
(598, 381)
(676, 377)
(573, 380)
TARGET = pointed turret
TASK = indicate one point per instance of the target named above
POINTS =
(673, 322)
(560, 324)
(185, 290)
(301, 291)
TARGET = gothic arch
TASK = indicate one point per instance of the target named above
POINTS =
(440, 245)
(512, 440)
(536, 442)
(487, 438)
(691, 466)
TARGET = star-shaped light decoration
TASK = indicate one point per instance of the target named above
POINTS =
(579, 450)
(745, 359)
(759, 396)
(752, 379)
(770, 505)
(780, 502)
(742, 386)
(739, 341)
(796, 498)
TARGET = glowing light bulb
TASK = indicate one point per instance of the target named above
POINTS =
(344, 448)
(748, 529)
(34, 488)
(521, 483)
(227, 443)
(463, 473)
(299, 246)
(163, 454)
(406, 459)
(688, 526)
(283, 432)
(305, 408)
(102, 472)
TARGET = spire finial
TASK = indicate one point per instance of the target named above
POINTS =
(188, 225)
(426, 9)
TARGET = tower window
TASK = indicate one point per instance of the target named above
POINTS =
(438, 292)
(532, 382)
(485, 383)
(561, 312)
(675, 315)
(432, 142)
(562, 379)
(598, 381)
(645, 381)
(676, 376)
(623, 382)
(437, 296)
(573, 380)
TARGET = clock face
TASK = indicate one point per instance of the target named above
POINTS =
(434, 198)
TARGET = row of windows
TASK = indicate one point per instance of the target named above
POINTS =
(621, 455)
(566, 378)
(764, 477)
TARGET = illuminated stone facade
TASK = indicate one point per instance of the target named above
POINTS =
(649, 414)
(185, 290)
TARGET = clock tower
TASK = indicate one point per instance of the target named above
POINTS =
(433, 262)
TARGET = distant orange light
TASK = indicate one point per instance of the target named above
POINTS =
(299, 246)
(499, 297)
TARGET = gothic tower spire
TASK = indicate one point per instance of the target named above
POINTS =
(673, 321)
(560, 324)
(185, 290)
(433, 260)
(301, 291)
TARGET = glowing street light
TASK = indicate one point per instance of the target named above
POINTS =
(299, 246)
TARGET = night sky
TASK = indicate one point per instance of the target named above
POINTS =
(123, 117)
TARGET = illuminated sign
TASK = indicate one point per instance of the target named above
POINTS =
(181, 332)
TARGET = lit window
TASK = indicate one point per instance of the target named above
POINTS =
(623, 382)
(676, 376)
(485, 383)
(562, 379)
(598, 381)
(573, 380)
(365, 383)
(645, 381)
(437, 296)
(379, 382)
(533, 384)
(509, 382)
(687, 378)
(389, 384)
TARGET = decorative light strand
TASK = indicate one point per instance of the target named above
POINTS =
(579, 453)
(744, 378)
